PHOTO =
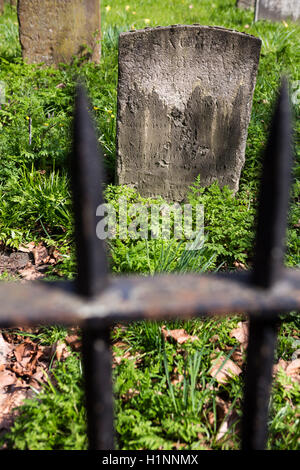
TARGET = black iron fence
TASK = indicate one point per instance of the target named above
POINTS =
(96, 300)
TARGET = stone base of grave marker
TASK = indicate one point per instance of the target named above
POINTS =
(184, 104)
(54, 31)
(278, 10)
(245, 3)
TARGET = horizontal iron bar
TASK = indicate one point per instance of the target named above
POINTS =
(128, 298)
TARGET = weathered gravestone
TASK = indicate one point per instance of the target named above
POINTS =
(278, 10)
(245, 3)
(53, 31)
(3, 2)
(184, 104)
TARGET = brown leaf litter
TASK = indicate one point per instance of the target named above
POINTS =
(180, 335)
(241, 333)
(226, 417)
(291, 369)
(223, 369)
(31, 261)
(118, 357)
(24, 368)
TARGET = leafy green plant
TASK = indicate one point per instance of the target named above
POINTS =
(56, 418)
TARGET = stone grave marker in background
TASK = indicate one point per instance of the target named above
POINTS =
(245, 3)
(278, 10)
(1, 6)
(184, 104)
(53, 31)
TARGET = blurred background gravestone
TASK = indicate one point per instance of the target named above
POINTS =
(278, 10)
(245, 3)
(184, 104)
(54, 31)
(3, 2)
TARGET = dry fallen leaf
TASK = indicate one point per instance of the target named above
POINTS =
(6, 378)
(239, 265)
(237, 357)
(117, 358)
(225, 417)
(241, 333)
(5, 349)
(61, 351)
(23, 364)
(180, 336)
(27, 248)
(40, 254)
(30, 274)
(9, 402)
(74, 342)
(228, 369)
(27, 354)
(226, 424)
(280, 365)
(293, 368)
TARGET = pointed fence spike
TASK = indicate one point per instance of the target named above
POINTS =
(87, 179)
(268, 268)
(274, 196)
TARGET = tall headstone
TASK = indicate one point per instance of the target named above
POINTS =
(278, 10)
(245, 3)
(184, 104)
(53, 31)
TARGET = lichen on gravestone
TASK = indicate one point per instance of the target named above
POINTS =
(54, 31)
(184, 103)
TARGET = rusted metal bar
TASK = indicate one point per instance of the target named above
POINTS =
(87, 179)
(151, 298)
(267, 271)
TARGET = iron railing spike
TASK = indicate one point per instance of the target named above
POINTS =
(274, 195)
(268, 269)
(87, 178)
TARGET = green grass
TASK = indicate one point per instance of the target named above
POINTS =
(152, 411)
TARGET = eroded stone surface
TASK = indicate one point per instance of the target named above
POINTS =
(245, 3)
(184, 104)
(278, 10)
(54, 31)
